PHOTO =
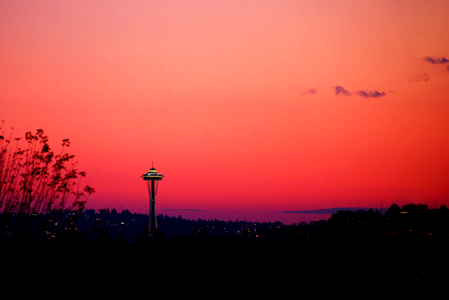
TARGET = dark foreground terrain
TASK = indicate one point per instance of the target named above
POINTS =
(400, 255)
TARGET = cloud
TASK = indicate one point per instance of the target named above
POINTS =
(325, 210)
(440, 61)
(425, 77)
(311, 92)
(341, 90)
(419, 78)
(305, 91)
(371, 94)
(184, 209)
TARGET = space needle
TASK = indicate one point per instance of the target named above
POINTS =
(152, 177)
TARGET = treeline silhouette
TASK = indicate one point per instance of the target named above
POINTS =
(402, 252)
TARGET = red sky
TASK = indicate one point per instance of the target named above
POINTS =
(218, 94)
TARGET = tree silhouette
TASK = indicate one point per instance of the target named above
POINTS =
(158, 236)
(37, 186)
(103, 237)
(142, 238)
(394, 209)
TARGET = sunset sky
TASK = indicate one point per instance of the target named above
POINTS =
(259, 105)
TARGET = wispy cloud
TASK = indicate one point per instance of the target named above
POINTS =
(184, 209)
(439, 61)
(304, 90)
(326, 210)
(419, 78)
(370, 94)
(339, 90)
(425, 77)
(310, 92)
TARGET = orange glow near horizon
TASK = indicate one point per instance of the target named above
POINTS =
(235, 101)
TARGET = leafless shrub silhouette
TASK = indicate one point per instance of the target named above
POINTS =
(37, 186)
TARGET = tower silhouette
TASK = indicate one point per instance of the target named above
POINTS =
(152, 177)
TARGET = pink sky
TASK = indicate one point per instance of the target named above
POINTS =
(217, 93)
